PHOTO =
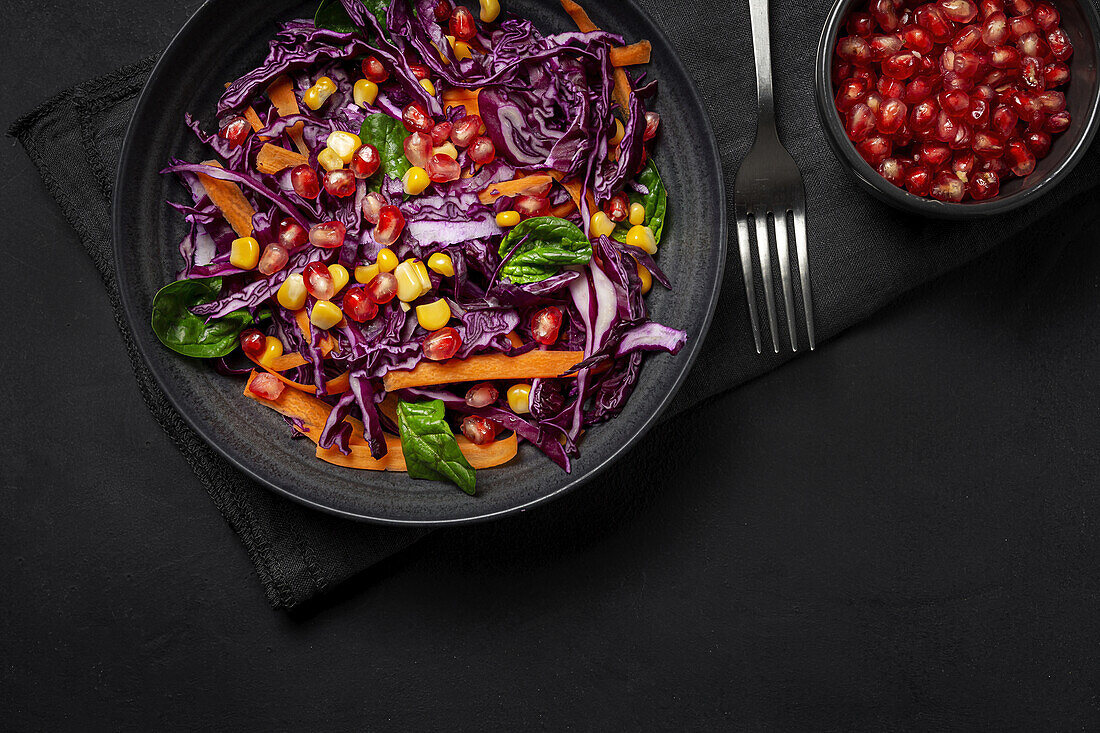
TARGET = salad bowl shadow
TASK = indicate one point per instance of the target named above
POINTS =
(225, 39)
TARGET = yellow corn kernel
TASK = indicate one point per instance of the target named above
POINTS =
(386, 260)
(319, 93)
(601, 225)
(364, 92)
(340, 276)
(490, 9)
(330, 160)
(428, 86)
(273, 349)
(637, 214)
(292, 293)
(435, 315)
(325, 314)
(409, 285)
(441, 262)
(461, 48)
(416, 180)
(422, 273)
(508, 218)
(345, 144)
(447, 149)
(642, 237)
(619, 133)
(404, 306)
(365, 273)
(245, 253)
(645, 276)
(519, 398)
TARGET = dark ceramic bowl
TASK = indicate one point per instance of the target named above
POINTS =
(1081, 22)
(226, 38)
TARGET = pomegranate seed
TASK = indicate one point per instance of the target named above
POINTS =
(419, 71)
(903, 137)
(1052, 102)
(933, 155)
(340, 182)
(374, 70)
(319, 282)
(442, 11)
(964, 163)
(382, 288)
(266, 386)
(482, 151)
(1039, 142)
(918, 90)
(462, 24)
(953, 81)
(1004, 121)
(918, 180)
(531, 206)
(893, 171)
(960, 11)
(963, 136)
(984, 92)
(365, 161)
(1020, 27)
(995, 77)
(890, 88)
(482, 395)
(1060, 44)
(954, 103)
(932, 19)
(327, 235)
(418, 149)
(891, 116)
(1004, 57)
(924, 115)
(917, 39)
(987, 145)
(292, 235)
(1031, 71)
(305, 183)
(978, 114)
(854, 49)
(466, 130)
(989, 7)
(416, 118)
(273, 259)
(235, 131)
(358, 306)
(966, 39)
(865, 75)
(1021, 7)
(1057, 122)
(443, 168)
(861, 24)
(883, 47)
(948, 188)
(995, 30)
(253, 343)
(372, 206)
(874, 101)
(860, 122)
(479, 430)
(1033, 45)
(967, 64)
(1046, 16)
(875, 149)
(440, 133)
(617, 207)
(984, 185)
(901, 65)
(545, 325)
(1019, 157)
(1055, 74)
(947, 128)
(442, 344)
(1026, 105)
(391, 222)
(652, 125)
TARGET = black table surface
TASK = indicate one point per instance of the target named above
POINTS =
(897, 531)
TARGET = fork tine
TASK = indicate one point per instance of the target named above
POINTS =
(784, 254)
(804, 270)
(764, 250)
(746, 271)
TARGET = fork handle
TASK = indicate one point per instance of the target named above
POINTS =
(761, 46)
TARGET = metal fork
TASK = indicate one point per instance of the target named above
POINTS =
(770, 184)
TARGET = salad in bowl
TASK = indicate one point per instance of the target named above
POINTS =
(425, 236)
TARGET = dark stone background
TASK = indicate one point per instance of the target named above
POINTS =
(899, 531)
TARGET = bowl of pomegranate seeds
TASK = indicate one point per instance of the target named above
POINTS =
(959, 108)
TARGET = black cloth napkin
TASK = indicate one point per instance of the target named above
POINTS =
(863, 255)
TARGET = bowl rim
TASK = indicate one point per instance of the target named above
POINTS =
(899, 197)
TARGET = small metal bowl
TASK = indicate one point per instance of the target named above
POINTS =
(1080, 20)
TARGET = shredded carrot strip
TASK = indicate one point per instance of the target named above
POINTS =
(310, 410)
(514, 339)
(336, 385)
(532, 365)
(635, 53)
(272, 159)
(576, 12)
(227, 196)
(574, 188)
(462, 98)
(563, 210)
(388, 407)
(621, 92)
(281, 94)
(492, 454)
(253, 119)
(515, 187)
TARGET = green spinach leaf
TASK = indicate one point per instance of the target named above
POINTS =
(431, 451)
(388, 135)
(545, 245)
(182, 331)
(332, 15)
(655, 202)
